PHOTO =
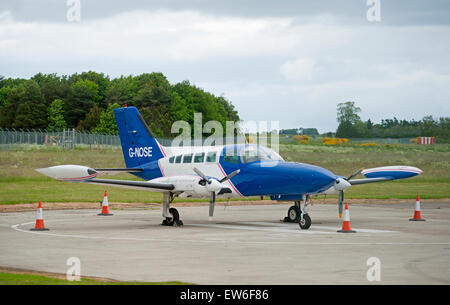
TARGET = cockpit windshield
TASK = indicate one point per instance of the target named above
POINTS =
(253, 153)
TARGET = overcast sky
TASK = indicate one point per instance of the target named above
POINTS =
(290, 61)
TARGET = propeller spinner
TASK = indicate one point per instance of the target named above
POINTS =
(213, 186)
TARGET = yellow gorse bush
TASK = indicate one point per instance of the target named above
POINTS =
(334, 141)
(369, 144)
(303, 139)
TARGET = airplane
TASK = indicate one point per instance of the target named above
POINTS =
(222, 171)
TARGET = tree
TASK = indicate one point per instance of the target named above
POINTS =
(122, 90)
(83, 95)
(91, 120)
(178, 108)
(348, 112)
(56, 121)
(107, 124)
(29, 105)
(347, 116)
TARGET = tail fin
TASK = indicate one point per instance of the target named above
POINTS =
(139, 146)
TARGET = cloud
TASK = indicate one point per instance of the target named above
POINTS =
(298, 70)
(269, 67)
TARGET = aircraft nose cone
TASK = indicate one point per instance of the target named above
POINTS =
(341, 184)
(312, 178)
(323, 179)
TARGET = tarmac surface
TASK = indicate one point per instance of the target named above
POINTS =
(242, 245)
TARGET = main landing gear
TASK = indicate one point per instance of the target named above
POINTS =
(299, 214)
(171, 215)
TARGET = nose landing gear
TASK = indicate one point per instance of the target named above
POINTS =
(294, 212)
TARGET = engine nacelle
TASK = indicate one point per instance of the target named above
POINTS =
(190, 185)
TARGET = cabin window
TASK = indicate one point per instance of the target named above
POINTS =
(178, 159)
(199, 158)
(187, 158)
(171, 159)
(211, 156)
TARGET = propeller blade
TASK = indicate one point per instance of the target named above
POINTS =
(230, 176)
(341, 203)
(211, 205)
(203, 176)
(355, 173)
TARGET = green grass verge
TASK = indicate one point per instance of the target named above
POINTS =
(20, 183)
(31, 279)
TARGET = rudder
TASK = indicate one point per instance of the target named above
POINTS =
(139, 145)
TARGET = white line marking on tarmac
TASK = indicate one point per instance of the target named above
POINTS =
(16, 228)
(267, 229)
(320, 227)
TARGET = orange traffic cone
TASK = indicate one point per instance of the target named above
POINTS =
(346, 224)
(39, 220)
(417, 216)
(105, 208)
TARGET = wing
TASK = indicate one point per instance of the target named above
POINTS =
(368, 180)
(140, 185)
(118, 170)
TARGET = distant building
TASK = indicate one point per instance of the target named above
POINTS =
(300, 131)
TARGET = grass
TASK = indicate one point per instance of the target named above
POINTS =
(33, 279)
(20, 183)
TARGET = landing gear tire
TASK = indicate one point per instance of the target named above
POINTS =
(175, 220)
(293, 214)
(304, 222)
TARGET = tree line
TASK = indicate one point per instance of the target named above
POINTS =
(351, 126)
(86, 102)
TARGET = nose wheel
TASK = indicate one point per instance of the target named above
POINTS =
(304, 222)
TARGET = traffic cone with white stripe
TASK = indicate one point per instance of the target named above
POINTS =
(39, 220)
(105, 207)
(346, 224)
(417, 216)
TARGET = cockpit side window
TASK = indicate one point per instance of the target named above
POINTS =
(231, 156)
(171, 159)
(258, 153)
(178, 159)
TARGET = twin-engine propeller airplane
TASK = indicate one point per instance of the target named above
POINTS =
(227, 171)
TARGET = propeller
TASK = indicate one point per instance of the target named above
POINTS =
(355, 173)
(231, 175)
(342, 188)
(213, 186)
